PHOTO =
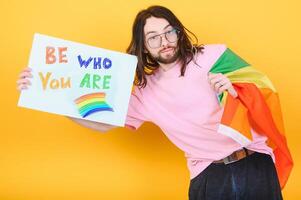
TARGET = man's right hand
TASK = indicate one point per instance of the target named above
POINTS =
(23, 81)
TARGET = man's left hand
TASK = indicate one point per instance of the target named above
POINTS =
(220, 83)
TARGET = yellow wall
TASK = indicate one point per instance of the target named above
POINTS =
(45, 156)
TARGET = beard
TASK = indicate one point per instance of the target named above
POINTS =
(169, 59)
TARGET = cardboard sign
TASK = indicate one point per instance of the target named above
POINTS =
(78, 80)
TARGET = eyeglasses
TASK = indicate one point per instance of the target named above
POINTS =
(156, 40)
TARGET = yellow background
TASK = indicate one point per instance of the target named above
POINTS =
(45, 156)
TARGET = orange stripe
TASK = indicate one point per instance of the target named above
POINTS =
(90, 96)
(272, 100)
(235, 116)
(229, 110)
(263, 107)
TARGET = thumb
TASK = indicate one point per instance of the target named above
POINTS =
(232, 92)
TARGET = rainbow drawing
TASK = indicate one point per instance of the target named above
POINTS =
(91, 103)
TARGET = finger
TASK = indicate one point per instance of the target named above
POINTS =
(220, 84)
(27, 69)
(211, 76)
(23, 81)
(25, 74)
(22, 87)
(217, 86)
(216, 80)
(224, 81)
(232, 92)
(224, 87)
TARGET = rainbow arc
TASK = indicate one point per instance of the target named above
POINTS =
(92, 103)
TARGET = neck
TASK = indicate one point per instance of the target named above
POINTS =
(168, 66)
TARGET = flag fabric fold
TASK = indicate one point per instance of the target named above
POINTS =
(257, 107)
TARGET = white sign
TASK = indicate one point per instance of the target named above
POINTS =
(78, 80)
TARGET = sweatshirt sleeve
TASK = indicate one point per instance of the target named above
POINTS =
(136, 114)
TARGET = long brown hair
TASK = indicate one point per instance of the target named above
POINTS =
(146, 64)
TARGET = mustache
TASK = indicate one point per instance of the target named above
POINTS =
(167, 48)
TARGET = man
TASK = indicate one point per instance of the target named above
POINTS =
(224, 142)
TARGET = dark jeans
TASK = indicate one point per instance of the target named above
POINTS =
(251, 178)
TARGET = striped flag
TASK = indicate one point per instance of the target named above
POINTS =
(257, 107)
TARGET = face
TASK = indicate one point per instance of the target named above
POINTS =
(156, 29)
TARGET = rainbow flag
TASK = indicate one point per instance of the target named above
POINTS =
(257, 107)
(91, 103)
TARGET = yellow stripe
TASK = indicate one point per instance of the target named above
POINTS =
(250, 75)
(89, 101)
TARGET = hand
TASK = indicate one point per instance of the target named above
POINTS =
(23, 81)
(220, 83)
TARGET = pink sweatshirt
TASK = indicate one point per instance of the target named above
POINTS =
(188, 112)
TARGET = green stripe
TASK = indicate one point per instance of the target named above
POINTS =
(228, 62)
(220, 97)
(98, 103)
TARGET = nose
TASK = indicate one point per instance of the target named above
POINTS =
(164, 41)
